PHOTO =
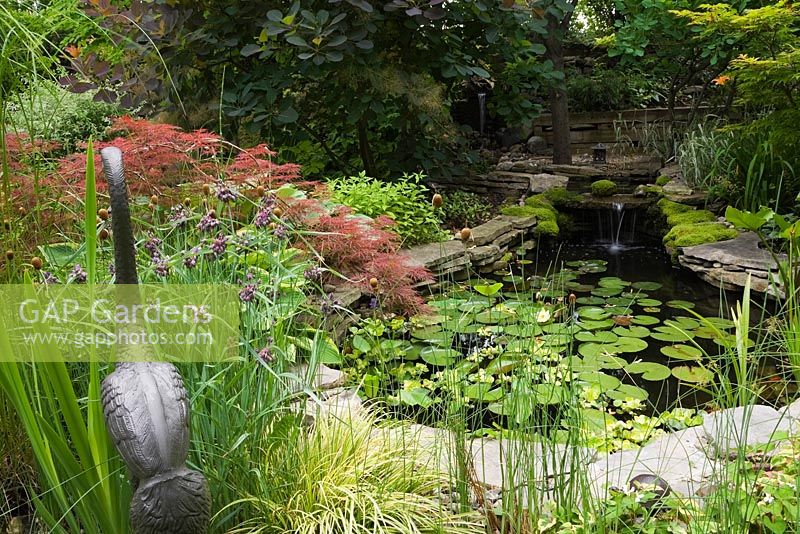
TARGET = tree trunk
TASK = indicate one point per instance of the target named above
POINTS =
(559, 106)
(363, 148)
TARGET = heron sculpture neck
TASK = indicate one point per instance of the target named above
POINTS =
(146, 408)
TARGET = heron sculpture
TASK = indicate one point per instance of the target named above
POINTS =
(146, 408)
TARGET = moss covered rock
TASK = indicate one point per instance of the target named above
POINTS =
(546, 228)
(536, 206)
(561, 198)
(539, 201)
(604, 188)
(690, 217)
(688, 235)
(662, 180)
(669, 207)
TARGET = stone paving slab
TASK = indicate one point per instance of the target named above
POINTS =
(728, 430)
(679, 458)
(434, 254)
(742, 251)
(489, 231)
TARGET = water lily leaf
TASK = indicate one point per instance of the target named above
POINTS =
(684, 323)
(630, 344)
(645, 320)
(719, 322)
(652, 371)
(502, 408)
(561, 328)
(707, 332)
(483, 392)
(651, 310)
(593, 313)
(613, 281)
(632, 331)
(425, 333)
(439, 356)
(694, 375)
(606, 291)
(618, 310)
(651, 303)
(603, 361)
(523, 330)
(606, 382)
(504, 363)
(590, 301)
(647, 286)
(623, 301)
(605, 324)
(495, 316)
(473, 306)
(680, 304)
(682, 352)
(556, 340)
(416, 397)
(671, 334)
(488, 290)
(593, 350)
(626, 391)
(446, 303)
(595, 421)
(597, 337)
(582, 288)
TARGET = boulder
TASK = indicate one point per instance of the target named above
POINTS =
(539, 183)
(536, 145)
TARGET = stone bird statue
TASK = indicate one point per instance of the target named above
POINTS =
(146, 409)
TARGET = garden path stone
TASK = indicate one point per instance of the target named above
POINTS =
(325, 378)
(539, 183)
(479, 254)
(489, 231)
(435, 254)
(679, 458)
(728, 430)
(341, 403)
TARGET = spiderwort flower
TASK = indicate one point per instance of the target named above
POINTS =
(281, 232)
(162, 268)
(49, 278)
(178, 215)
(190, 261)
(77, 274)
(313, 274)
(266, 355)
(151, 246)
(248, 293)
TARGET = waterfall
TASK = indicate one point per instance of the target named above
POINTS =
(481, 111)
(614, 228)
(619, 211)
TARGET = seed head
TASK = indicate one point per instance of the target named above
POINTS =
(103, 214)
(102, 234)
(437, 200)
(9, 255)
(154, 199)
(465, 234)
(373, 283)
(37, 263)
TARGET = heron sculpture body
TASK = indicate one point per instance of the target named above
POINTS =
(146, 408)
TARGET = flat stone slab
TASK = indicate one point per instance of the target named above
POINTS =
(742, 251)
(577, 171)
(489, 231)
(519, 223)
(734, 428)
(539, 183)
(339, 403)
(434, 254)
(679, 458)
(508, 238)
(678, 188)
(324, 378)
(484, 253)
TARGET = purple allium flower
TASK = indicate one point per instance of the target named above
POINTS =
(266, 353)
(329, 304)
(219, 245)
(190, 261)
(313, 274)
(77, 274)
(162, 268)
(265, 213)
(49, 278)
(178, 215)
(151, 246)
(281, 232)
(226, 193)
(248, 293)
(373, 302)
(208, 222)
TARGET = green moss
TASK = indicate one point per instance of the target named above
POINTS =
(653, 190)
(687, 235)
(690, 217)
(542, 214)
(565, 222)
(560, 197)
(546, 228)
(662, 180)
(538, 201)
(669, 207)
(603, 188)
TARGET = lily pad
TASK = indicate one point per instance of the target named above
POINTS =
(671, 334)
(631, 344)
(523, 330)
(483, 392)
(593, 313)
(684, 323)
(647, 286)
(597, 337)
(650, 303)
(603, 361)
(590, 301)
(685, 304)
(548, 393)
(694, 375)
(592, 350)
(606, 382)
(606, 291)
(626, 391)
(504, 363)
(682, 352)
(605, 324)
(613, 281)
(719, 322)
(632, 331)
(655, 372)
(645, 320)
(439, 356)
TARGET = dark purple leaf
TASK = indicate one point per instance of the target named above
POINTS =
(414, 11)
(435, 13)
(105, 95)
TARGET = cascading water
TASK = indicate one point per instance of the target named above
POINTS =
(481, 111)
(613, 228)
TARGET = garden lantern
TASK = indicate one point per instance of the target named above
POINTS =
(599, 153)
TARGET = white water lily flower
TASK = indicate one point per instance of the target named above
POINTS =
(543, 316)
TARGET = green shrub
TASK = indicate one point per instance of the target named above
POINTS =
(688, 235)
(405, 201)
(690, 217)
(663, 180)
(604, 188)
(464, 209)
(560, 197)
(47, 111)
